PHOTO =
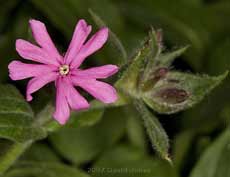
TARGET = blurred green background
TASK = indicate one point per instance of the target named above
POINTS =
(118, 141)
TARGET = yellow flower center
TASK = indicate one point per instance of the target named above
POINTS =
(64, 70)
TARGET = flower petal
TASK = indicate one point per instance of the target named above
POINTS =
(75, 100)
(38, 82)
(81, 33)
(19, 70)
(43, 39)
(62, 111)
(97, 72)
(94, 44)
(31, 52)
(100, 90)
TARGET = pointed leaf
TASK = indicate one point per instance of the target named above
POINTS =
(166, 59)
(155, 131)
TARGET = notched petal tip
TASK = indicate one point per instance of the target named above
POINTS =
(84, 106)
(95, 43)
(35, 22)
(60, 120)
(13, 77)
(111, 99)
(11, 68)
(84, 26)
(88, 30)
(19, 46)
(114, 69)
(104, 32)
(19, 43)
(29, 98)
(12, 64)
(61, 117)
(98, 39)
(81, 32)
(82, 22)
(31, 20)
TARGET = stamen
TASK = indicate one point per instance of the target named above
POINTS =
(64, 70)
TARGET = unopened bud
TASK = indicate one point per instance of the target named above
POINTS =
(173, 95)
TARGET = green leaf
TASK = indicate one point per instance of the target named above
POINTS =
(82, 144)
(77, 119)
(16, 124)
(125, 160)
(86, 118)
(179, 91)
(36, 153)
(166, 59)
(155, 131)
(113, 39)
(224, 114)
(16, 117)
(21, 134)
(12, 152)
(135, 128)
(215, 160)
(44, 169)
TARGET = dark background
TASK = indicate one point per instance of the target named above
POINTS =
(202, 24)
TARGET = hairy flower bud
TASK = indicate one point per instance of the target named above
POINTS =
(154, 77)
(172, 95)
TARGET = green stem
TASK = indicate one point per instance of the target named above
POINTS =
(12, 155)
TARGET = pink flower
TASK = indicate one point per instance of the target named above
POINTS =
(64, 70)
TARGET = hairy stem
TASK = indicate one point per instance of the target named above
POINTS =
(13, 153)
